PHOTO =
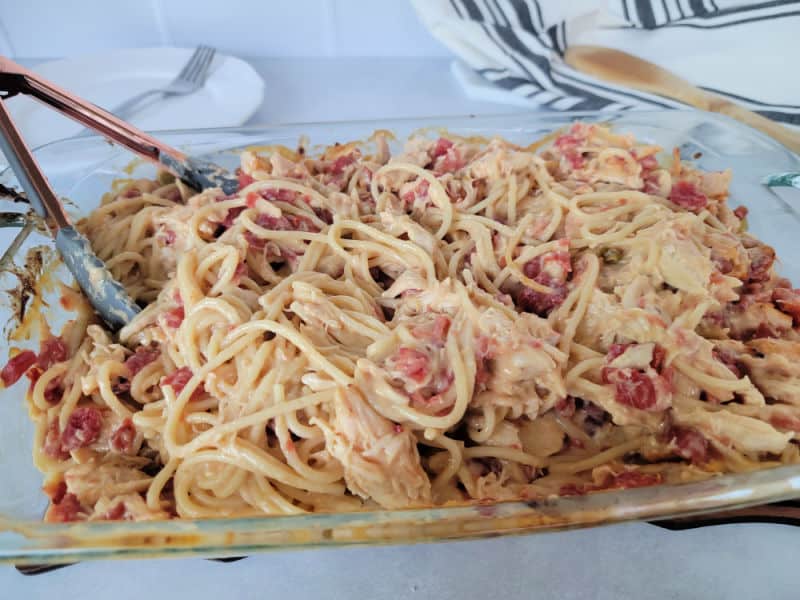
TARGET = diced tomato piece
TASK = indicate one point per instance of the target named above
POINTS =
(657, 361)
(141, 358)
(634, 479)
(251, 199)
(616, 350)
(624, 480)
(568, 144)
(56, 492)
(17, 366)
(178, 380)
(788, 301)
(419, 191)
(174, 195)
(784, 421)
(533, 268)
(53, 392)
(651, 183)
(575, 159)
(649, 163)
(342, 162)
(174, 316)
(567, 140)
(66, 510)
(449, 162)
(754, 293)
(572, 489)
(552, 266)
(740, 212)
(323, 214)
(301, 223)
(632, 387)
(286, 222)
(686, 195)
(123, 437)
(274, 223)
(115, 513)
(33, 374)
(441, 325)
(541, 303)
(724, 265)
(761, 259)
(550, 269)
(254, 242)
(729, 360)
(440, 148)
(412, 363)
(659, 358)
(231, 217)
(52, 445)
(53, 351)
(764, 330)
(282, 195)
(83, 428)
(691, 444)
(244, 179)
(565, 406)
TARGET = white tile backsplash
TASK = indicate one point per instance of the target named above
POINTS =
(55, 28)
(381, 28)
(52, 28)
(289, 28)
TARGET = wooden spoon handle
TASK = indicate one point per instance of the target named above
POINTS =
(627, 70)
(787, 137)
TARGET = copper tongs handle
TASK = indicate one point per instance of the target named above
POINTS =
(42, 197)
(15, 79)
(106, 295)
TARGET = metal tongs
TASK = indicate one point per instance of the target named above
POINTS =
(106, 295)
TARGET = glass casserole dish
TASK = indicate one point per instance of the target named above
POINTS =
(83, 169)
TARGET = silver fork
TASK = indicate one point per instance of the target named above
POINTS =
(190, 79)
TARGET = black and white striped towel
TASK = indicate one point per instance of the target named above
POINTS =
(510, 50)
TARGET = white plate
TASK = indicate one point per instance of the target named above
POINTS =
(231, 95)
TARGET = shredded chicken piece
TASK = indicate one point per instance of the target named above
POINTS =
(380, 462)
(743, 433)
(520, 364)
(127, 507)
(90, 481)
(775, 368)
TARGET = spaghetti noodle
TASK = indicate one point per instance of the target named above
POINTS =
(462, 321)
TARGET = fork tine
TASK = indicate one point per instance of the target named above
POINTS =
(189, 75)
(192, 73)
(202, 71)
(191, 63)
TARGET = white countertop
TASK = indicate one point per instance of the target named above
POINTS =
(626, 561)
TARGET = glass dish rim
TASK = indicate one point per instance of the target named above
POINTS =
(46, 542)
(566, 116)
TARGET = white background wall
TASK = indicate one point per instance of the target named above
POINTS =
(55, 28)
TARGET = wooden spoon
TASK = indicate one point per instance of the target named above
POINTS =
(631, 71)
